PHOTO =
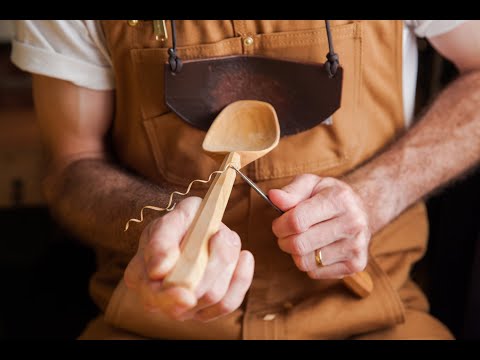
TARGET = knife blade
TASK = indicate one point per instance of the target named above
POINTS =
(257, 189)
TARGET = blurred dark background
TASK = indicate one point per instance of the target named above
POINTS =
(45, 272)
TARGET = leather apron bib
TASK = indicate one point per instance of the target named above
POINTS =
(155, 143)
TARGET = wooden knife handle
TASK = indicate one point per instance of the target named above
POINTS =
(360, 283)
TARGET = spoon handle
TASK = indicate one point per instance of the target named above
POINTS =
(194, 248)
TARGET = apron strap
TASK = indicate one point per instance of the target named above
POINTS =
(174, 61)
(332, 58)
(331, 64)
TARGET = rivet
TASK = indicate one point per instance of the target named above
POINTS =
(248, 41)
(132, 22)
(269, 317)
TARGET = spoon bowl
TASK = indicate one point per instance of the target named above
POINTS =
(249, 128)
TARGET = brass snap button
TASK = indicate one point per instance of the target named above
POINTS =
(248, 41)
(132, 22)
(269, 317)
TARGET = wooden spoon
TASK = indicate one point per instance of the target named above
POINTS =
(243, 132)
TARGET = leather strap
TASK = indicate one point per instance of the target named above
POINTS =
(332, 58)
(173, 59)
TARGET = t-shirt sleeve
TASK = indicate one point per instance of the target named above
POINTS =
(431, 28)
(72, 50)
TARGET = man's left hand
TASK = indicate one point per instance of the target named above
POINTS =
(326, 214)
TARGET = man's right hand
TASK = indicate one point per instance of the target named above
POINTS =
(223, 287)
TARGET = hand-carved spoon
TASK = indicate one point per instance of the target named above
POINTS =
(243, 132)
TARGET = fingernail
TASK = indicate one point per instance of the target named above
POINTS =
(198, 317)
(169, 262)
(234, 240)
(188, 300)
(185, 316)
(154, 267)
(159, 267)
(204, 316)
(178, 311)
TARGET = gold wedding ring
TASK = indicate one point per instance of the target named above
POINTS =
(318, 257)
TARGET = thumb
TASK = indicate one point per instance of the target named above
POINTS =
(163, 239)
(300, 189)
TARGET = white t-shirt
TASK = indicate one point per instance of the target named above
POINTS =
(75, 50)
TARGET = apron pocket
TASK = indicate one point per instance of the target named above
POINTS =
(177, 149)
(324, 149)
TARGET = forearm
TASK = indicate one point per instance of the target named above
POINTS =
(93, 199)
(440, 147)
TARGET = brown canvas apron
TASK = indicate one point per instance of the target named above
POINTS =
(155, 143)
